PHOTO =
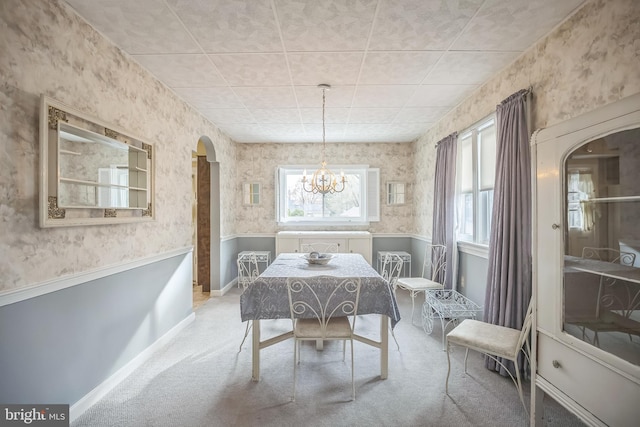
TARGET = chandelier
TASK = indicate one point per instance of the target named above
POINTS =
(323, 181)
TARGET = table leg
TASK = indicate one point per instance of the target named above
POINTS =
(384, 347)
(319, 345)
(255, 350)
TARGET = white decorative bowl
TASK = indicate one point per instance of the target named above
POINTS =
(322, 259)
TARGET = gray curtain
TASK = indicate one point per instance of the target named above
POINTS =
(444, 195)
(509, 275)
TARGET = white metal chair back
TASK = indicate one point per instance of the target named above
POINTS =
(609, 255)
(321, 247)
(320, 309)
(248, 270)
(391, 268)
(323, 298)
(435, 262)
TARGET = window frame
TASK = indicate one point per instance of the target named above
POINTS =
(367, 209)
(479, 227)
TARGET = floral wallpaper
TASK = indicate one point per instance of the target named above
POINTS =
(590, 60)
(258, 163)
(46, 48)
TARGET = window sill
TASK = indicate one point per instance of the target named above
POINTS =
(321, 223)
(475, 249)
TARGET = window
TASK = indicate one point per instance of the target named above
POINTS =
(579, 188)
(347, 207)
(251, 193)
(475, 181)
(395, 193)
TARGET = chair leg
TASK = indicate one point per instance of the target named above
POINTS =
(353, 383)
(295, 368)
(520, 385)
(246, 332)
(394, 338)
(446, 386)
(466, 354)
(413, 298)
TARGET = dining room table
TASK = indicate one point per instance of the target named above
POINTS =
(267, 298)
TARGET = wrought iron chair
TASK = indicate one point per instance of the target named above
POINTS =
(322, 247)
(616, 302)
(248, 272)
(434, 264)
(320, 309)
(391, 269)
(609, 255)
(495, 342)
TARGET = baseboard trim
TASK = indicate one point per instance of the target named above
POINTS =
(557, 395)
(53, 285)
(225, 289)
(106, 386)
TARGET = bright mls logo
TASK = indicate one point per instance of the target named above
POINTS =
(34, 415)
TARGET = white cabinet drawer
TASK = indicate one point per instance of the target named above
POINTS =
(591, 384)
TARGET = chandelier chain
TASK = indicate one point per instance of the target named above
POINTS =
(323, 181)
(324, 143)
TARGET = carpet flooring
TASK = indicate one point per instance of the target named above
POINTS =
(200, 379)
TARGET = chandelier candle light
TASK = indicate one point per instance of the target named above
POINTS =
(323, 181)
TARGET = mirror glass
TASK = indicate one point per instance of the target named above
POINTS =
(602, 244)
(96, 171)
(395, 193)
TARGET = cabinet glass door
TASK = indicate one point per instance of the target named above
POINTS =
(602, 244)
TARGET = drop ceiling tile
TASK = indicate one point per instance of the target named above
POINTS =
(410, 129)
(244, 132)
(329, 25)
(365, 130)
(421, 114)
(284, 132)
(397, 67)
(276, 115)
(420, 24)
(211, 97)
(383, 96)
(182, 70)
(334, 68)
(332, 115)
(333, 131)
(228, 115)
(266, 97)
(513, 25)
(253, 69)
(143, 26)
(457, 68)
(230, 25)
(337, 96)
(373, 115)
(440, 95)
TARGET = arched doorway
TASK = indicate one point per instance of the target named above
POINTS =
(206, 218)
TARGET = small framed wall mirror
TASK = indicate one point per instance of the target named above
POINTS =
(396, 193)
(91, 172)
(251, 193)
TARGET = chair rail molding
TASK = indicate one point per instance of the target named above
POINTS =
(59, 283)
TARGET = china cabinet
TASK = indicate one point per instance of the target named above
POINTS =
(586, 256)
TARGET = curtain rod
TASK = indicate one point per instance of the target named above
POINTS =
(527, 91)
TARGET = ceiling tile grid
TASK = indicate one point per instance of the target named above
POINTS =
(252, 67)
